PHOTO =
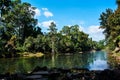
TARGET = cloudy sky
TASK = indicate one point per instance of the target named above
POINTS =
(85, 13)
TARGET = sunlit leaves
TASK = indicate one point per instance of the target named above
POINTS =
(110, 22)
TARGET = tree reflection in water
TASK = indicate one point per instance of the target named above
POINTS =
(92, 61)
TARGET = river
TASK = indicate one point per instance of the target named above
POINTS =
(93, 61)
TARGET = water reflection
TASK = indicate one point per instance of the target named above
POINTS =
(99, 61)
(98, 65)
(92, 61)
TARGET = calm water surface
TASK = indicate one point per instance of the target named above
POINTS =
(92, 61)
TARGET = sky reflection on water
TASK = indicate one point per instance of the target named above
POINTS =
(93, 61)
(98, 65)
(99, 62)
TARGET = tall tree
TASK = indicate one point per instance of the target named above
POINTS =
(110, 22)
(17, 19)
(104, 22)
(66, 30)
(74, 40)
(20, 21)
(5, 6)
(52, 32)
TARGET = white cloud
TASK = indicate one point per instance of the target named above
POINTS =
(94, 32)
(48, 14)
(69, 25)
(94, 29)
(44, 9)
(47, 23)
(37, 12)
(81, 28)
(39, 24)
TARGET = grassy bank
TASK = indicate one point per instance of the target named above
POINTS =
(29, 54)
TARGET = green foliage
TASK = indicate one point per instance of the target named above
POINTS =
(52, 33)
(75, 41)
(110, 22)
(72, 40)
(117, 41)
(104, 22)
(18, 19)
(4, 6)
(10, 47)
(29, 44)
(100, 45)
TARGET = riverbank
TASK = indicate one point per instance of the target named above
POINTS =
(22, 54)
(114, 59)
(29, 54)
(44, 73)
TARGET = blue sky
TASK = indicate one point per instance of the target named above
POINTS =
(85, 13)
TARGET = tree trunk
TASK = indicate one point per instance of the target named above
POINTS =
(53, 49)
